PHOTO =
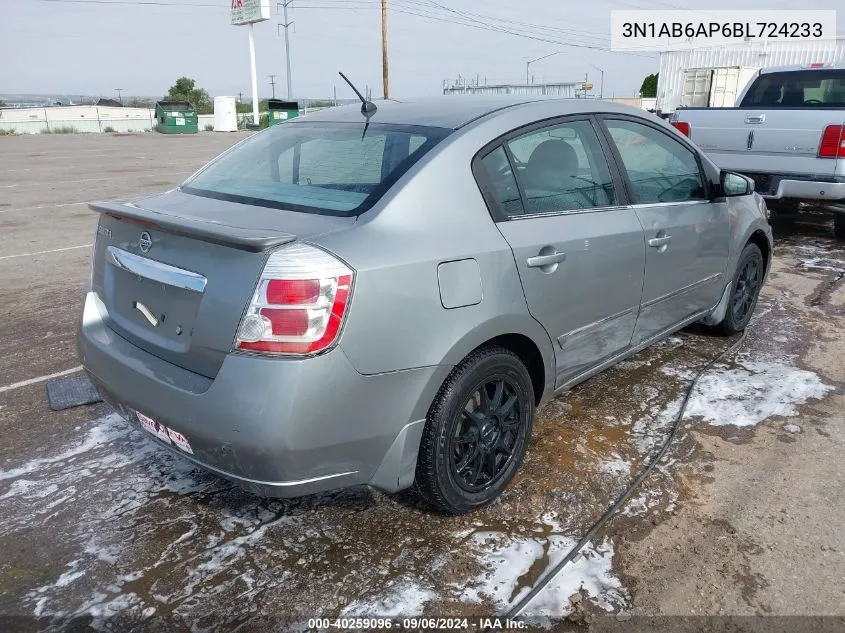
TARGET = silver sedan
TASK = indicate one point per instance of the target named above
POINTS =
(383, 295)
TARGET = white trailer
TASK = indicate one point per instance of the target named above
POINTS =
(683, 73)
(714, 87)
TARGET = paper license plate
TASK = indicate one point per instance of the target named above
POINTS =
(164, 433)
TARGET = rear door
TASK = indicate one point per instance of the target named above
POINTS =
(579, 252)
(686, 235)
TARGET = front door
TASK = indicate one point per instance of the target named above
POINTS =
(579, 253)
(686, 235)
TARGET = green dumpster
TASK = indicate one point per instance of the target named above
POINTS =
(176, 117)
(281, 111)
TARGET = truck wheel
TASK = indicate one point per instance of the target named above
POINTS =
(476, 432)
(747, 282)
(839, 226)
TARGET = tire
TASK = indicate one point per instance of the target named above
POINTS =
(455, 472)
(745, 290)
(839, 226)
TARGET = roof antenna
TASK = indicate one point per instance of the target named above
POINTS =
(368, 108)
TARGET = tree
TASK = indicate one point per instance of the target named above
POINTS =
(2, 104)
(649, 87)
(185, 89)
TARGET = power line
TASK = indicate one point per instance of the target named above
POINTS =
(575, 40)
(469, 20)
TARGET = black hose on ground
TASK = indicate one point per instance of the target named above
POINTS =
(620, 501)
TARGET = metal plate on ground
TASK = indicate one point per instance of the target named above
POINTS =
(73, 391)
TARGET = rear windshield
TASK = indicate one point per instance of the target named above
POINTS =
(798, 89)
(326, 168)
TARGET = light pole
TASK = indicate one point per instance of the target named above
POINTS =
(528, 65)
(601, 85)
(118, 91)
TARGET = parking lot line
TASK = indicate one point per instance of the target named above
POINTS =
(55, 250)
(32, 381)
(45, 206)
(100, 179)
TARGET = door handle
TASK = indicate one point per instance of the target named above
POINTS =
(755, 118)
(657, 242)
(545, 260)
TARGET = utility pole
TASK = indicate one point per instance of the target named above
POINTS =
(273, 84)
(286, 25)
(118, 91)
(384, 73)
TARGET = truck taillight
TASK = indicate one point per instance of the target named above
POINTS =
(300, 303)
(682, 127)
(833, 142)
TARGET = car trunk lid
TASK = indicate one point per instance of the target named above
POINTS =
(176, 272)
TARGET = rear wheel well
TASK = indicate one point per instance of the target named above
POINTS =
(759, 239)
(529, 354)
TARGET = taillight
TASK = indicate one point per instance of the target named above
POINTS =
(682, 127)
(299, 305)
(833, 143)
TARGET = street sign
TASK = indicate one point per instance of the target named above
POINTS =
(586, 87)
(249, 11)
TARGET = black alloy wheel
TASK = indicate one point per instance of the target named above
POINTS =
(486, 435)
(746, 290)
(476, 432)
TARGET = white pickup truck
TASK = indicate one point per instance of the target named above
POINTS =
(787, 133)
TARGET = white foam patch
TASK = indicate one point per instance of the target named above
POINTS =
(102, 433)
(753, 391)
(406, 598)
(825, 264)
(506, 559)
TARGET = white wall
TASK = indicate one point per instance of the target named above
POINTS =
(81, 118)
(673, 64)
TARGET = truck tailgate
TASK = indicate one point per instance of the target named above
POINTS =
(768, 141)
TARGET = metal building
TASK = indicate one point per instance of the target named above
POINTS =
(463, 87)
(675, 64)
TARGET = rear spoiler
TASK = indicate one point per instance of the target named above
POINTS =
(253, 240)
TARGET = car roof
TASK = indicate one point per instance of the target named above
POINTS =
(450, 112)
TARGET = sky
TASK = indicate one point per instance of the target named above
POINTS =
(92, 47)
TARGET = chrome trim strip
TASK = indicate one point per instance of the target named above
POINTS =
(546, 214)
(157, 271)
(660, 205)
(680, 291)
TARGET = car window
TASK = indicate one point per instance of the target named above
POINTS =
(562, 168)
(659, 168)
(502, 180)
(316, 167)
(802, 89)
(322, 161)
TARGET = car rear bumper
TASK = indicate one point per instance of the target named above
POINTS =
(278, 427)
(778, 186)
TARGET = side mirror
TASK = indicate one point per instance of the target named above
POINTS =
(736, 184)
